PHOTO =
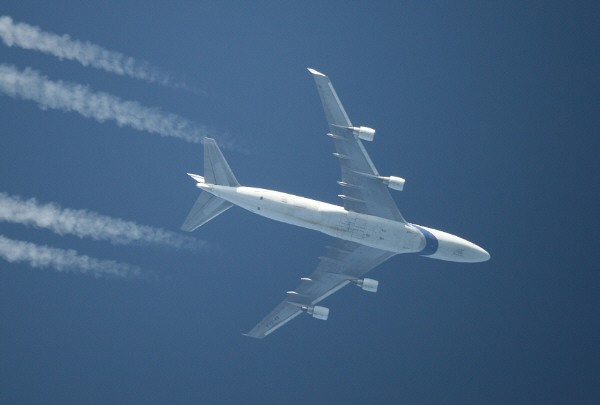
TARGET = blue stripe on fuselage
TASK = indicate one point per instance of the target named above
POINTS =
(431, 242)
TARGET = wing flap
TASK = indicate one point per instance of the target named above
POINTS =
(281, 315)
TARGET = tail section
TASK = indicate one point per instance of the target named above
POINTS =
(216, 171)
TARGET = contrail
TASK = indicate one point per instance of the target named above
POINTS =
(64, 47)
(86, 224)
(63, 260)
(30, 85)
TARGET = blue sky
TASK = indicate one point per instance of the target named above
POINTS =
(488, 109)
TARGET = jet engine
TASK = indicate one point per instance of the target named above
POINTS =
(367, 284)
(318, 312)
(397, 183)
(364, 133)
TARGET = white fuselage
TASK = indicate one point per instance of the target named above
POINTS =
(333, 220)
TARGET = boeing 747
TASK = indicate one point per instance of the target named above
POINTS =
(368, 229)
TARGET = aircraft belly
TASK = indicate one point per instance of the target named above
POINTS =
(330, 219)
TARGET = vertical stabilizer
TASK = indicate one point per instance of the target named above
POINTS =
(216, 169)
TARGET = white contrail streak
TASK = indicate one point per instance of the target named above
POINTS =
(31, 85)
(15, 251)
(86, 224)
(64, 47)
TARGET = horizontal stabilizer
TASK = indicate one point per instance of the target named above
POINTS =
(207, 207)
(199, 179)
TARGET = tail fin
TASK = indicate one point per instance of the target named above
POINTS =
(216, 171)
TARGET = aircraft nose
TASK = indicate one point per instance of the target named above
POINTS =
(479, 254)
(444, 246)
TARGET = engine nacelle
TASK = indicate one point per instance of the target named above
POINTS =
(397, 183)
(364, 133)
(367, 284)
(318, 312)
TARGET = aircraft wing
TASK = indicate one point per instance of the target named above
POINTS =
(343, 263)
(363, 192)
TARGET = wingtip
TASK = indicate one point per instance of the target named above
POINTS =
(252, 336)
(315, 72)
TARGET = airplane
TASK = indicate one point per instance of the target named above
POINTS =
(368, 229)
